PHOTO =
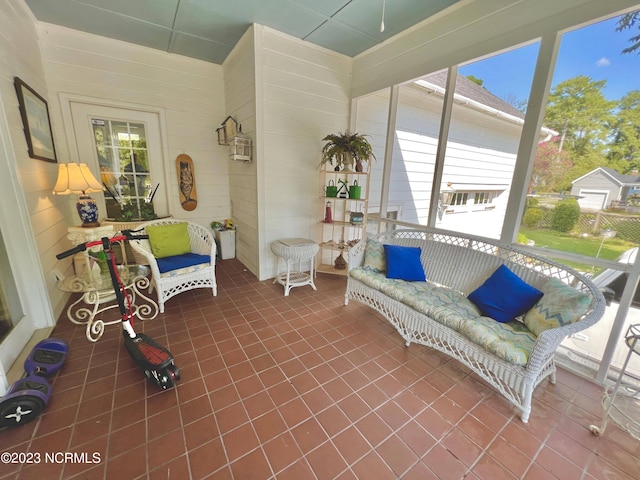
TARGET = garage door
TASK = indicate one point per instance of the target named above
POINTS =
(592, 200)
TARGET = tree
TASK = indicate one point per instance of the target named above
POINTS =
(579, 111)
(512, 100)
(476, 80)
(627, 22)
(551, 168)
(624, 150)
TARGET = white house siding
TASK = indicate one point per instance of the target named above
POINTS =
(480, 156)
(240, 95)
(414, 152)
(305, 97)
(189, 92)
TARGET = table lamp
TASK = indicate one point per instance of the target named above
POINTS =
(77, 178)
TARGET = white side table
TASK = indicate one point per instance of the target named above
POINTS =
(79, 235)
(295, 250)
(98, 296)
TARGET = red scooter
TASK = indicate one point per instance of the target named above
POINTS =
(156, 362)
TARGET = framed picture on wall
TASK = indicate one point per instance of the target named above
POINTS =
(37, 124)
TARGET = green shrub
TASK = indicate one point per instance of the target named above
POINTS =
(532, 202)
(565, 215)
(532, 217)
(522, 239)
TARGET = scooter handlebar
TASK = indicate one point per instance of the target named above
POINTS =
(77, 249)
(126, 235)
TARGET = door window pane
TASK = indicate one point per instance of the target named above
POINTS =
(124, 165)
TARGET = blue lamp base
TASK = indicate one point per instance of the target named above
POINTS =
(88, 211)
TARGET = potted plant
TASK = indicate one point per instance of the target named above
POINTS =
(346, 148)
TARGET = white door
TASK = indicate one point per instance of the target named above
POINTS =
(124, 149)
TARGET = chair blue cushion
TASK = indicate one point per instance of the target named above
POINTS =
(504, 295)
(403, 263)
(175, 262)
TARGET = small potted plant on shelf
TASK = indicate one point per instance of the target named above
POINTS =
(346, 148)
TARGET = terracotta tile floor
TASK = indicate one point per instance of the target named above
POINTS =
(302, 387)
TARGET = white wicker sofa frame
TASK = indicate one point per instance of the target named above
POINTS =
(462, 262)
(173, 283)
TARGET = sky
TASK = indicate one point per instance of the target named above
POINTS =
(594, 51)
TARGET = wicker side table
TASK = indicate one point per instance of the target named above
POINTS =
(295, 250)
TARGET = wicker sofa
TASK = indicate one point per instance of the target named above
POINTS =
(437, 313)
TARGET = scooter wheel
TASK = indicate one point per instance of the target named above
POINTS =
(166, 379)
(20, 409)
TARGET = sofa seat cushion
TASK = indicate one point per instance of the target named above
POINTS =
(437, 299)
(371, 278)
(406, 292)
(454, 315)
(179, 264)
(420, 295)
(511, 341)
(441, 303)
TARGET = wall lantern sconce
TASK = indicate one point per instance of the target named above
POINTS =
(240, 147)
(227, 130)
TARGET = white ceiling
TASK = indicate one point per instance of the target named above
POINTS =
(209, 29)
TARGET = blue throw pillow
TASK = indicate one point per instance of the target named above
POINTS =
(404, 263)
(504, 295)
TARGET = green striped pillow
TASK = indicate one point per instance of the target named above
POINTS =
(560, 305)
(374, 257)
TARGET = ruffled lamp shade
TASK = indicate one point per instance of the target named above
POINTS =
(76, 178)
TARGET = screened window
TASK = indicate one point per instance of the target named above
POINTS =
(459, 198)
(482, 198)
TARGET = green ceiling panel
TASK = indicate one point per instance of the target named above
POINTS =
(209, 29)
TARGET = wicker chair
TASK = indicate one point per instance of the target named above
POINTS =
(173, 282)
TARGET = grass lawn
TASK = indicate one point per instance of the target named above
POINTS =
(564, 242)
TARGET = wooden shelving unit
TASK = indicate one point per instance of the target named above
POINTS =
(337, 237)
